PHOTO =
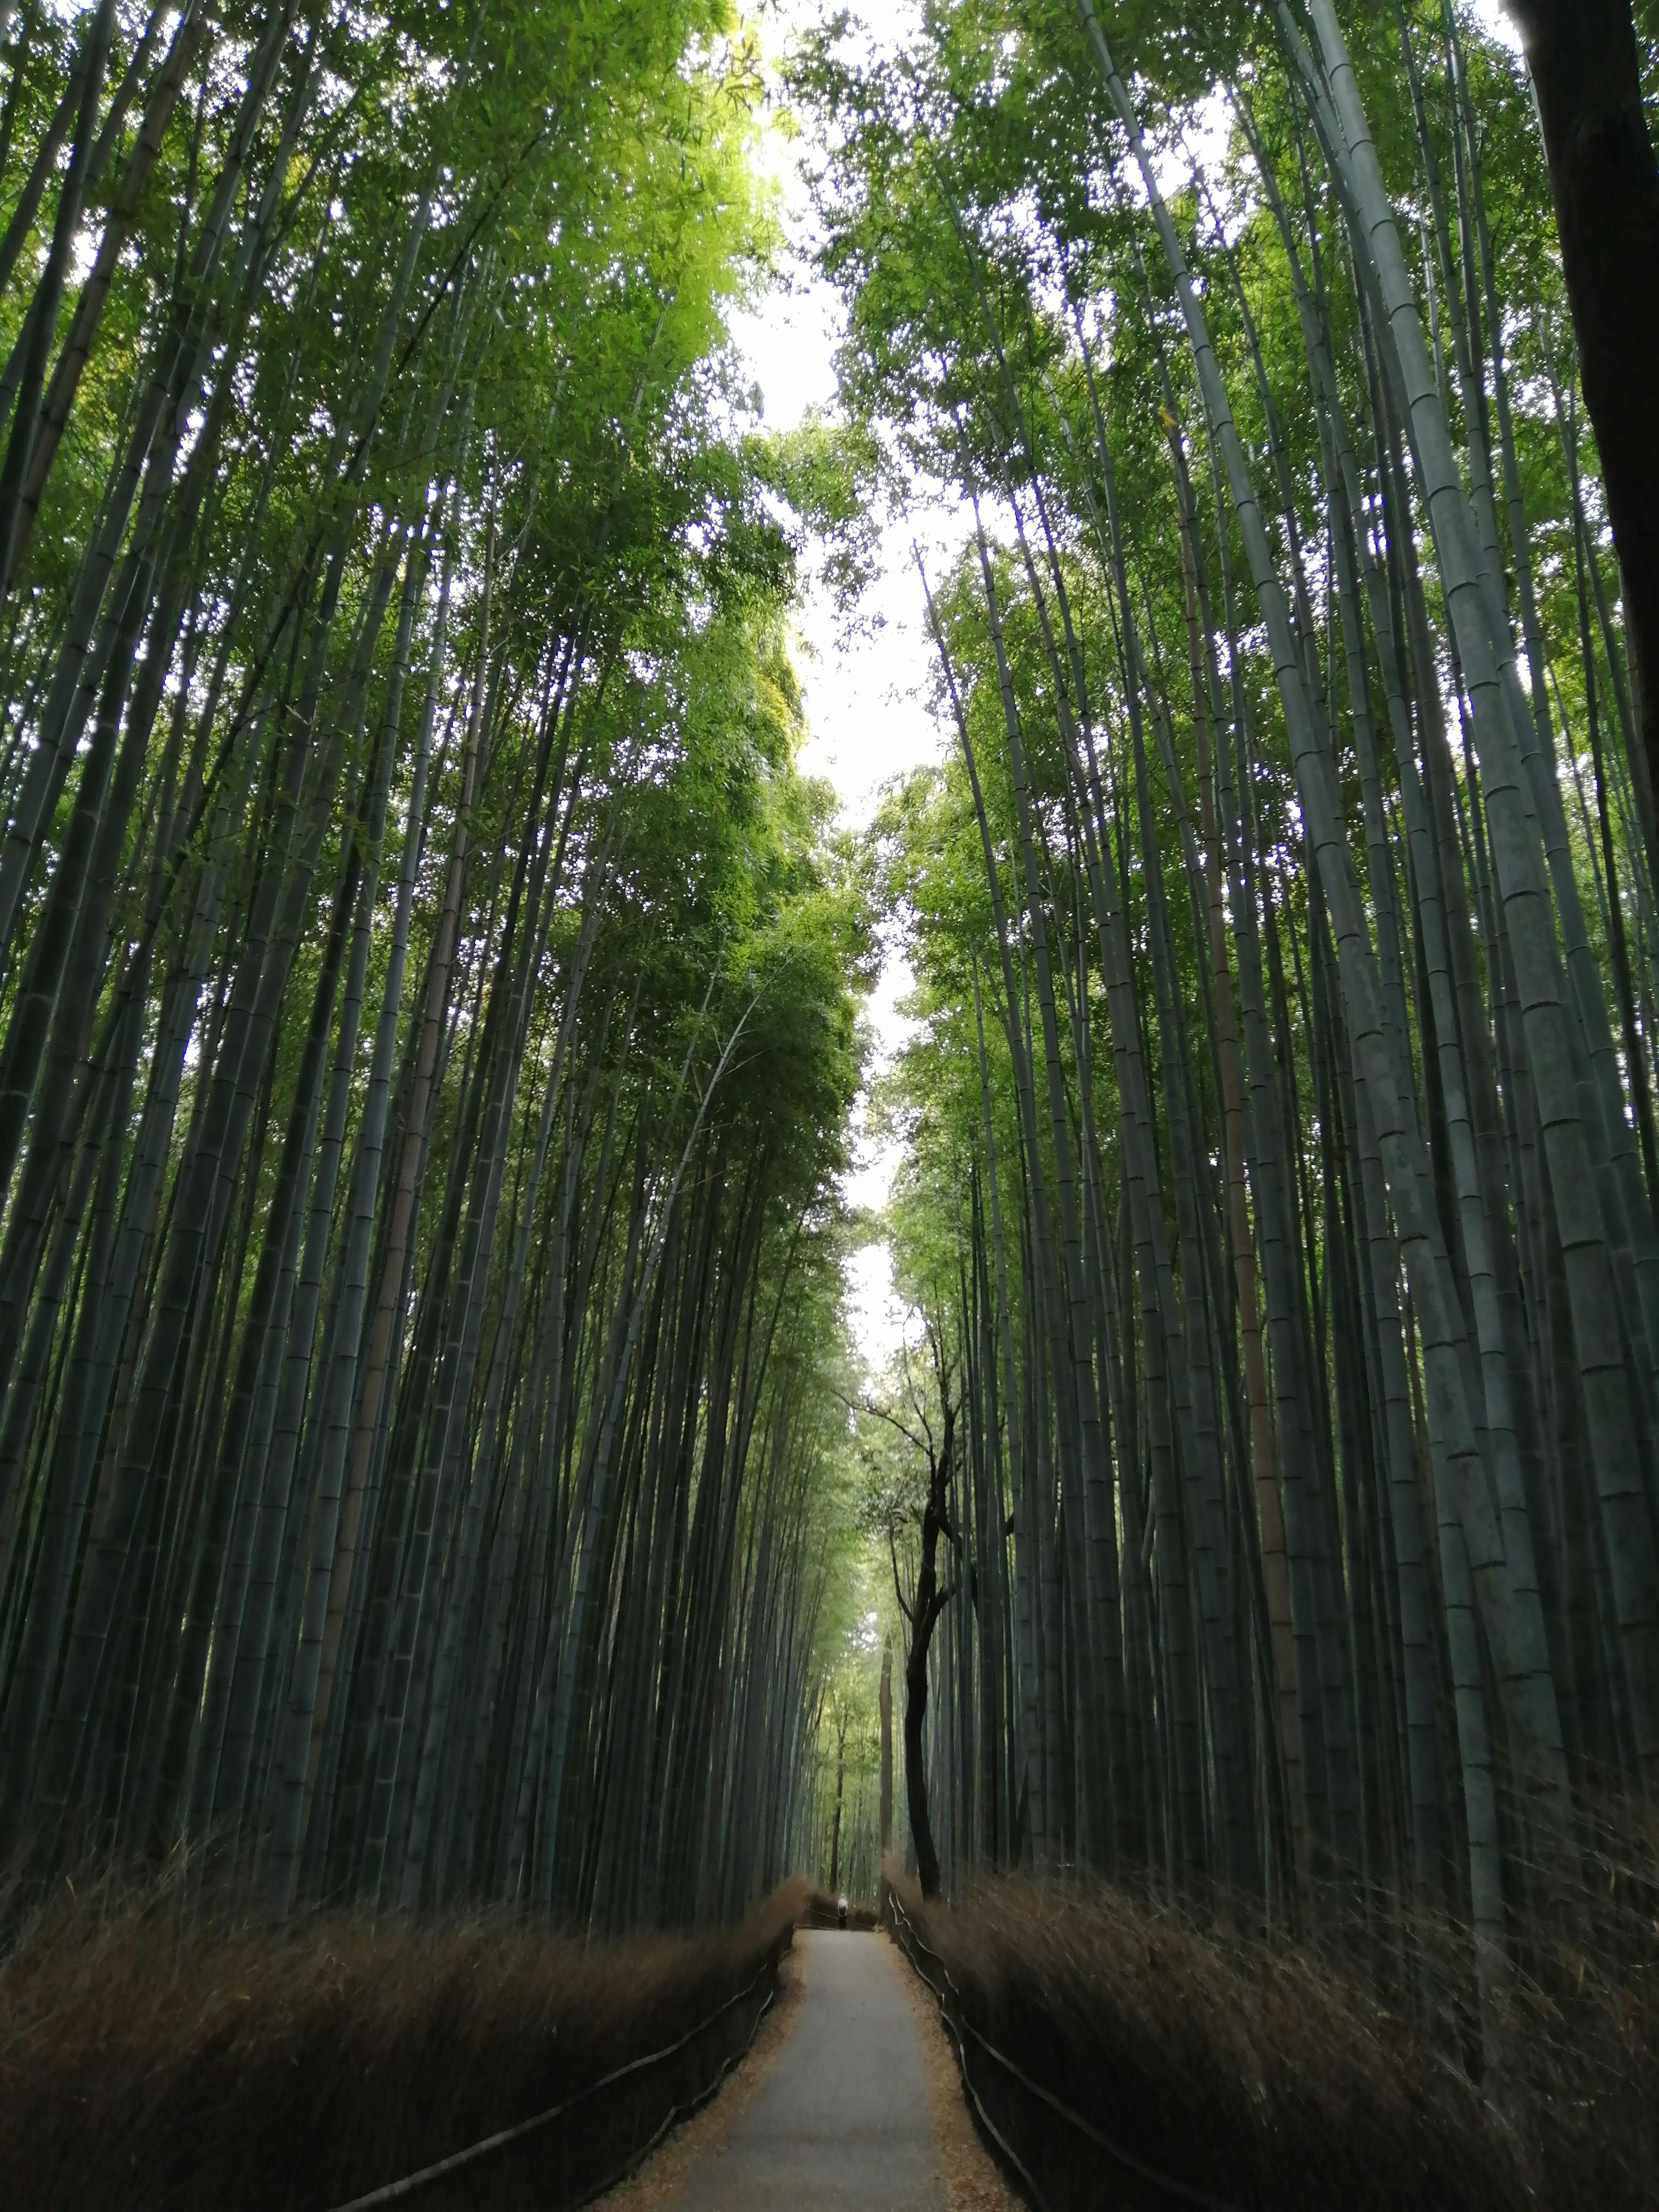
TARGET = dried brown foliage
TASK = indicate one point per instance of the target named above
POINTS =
(156, 2052)
(1272, 2076)
(1584, 2048)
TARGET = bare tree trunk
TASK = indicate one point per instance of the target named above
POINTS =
(1586, 74)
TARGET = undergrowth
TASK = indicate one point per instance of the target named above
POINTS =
(156, 2051)
(1275, 2075)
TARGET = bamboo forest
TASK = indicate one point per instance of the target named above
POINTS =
(467, 1050)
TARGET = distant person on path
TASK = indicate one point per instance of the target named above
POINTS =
(840, 1912)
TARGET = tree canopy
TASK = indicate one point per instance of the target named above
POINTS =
(1279, 1166)
(432, 1459)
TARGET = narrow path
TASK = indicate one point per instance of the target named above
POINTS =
(842, 2117)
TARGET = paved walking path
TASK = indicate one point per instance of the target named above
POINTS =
(841, 2117)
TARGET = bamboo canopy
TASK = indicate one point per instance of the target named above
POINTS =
(433, 1462)
(1278, 1210)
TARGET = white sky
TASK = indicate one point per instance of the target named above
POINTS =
(864, 696)
(1496, 23)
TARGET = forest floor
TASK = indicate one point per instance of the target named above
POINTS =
(850, 2097)
(159, 2047)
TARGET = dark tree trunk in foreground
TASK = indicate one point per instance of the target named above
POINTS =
(1582, 56)
(886, 1747)
(841, 1792)
(923, 1610)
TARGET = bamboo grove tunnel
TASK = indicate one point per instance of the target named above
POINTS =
(466, 1035)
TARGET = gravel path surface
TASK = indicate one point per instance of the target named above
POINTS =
(841, 2116)
(658, 2183)
(973, 2181)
